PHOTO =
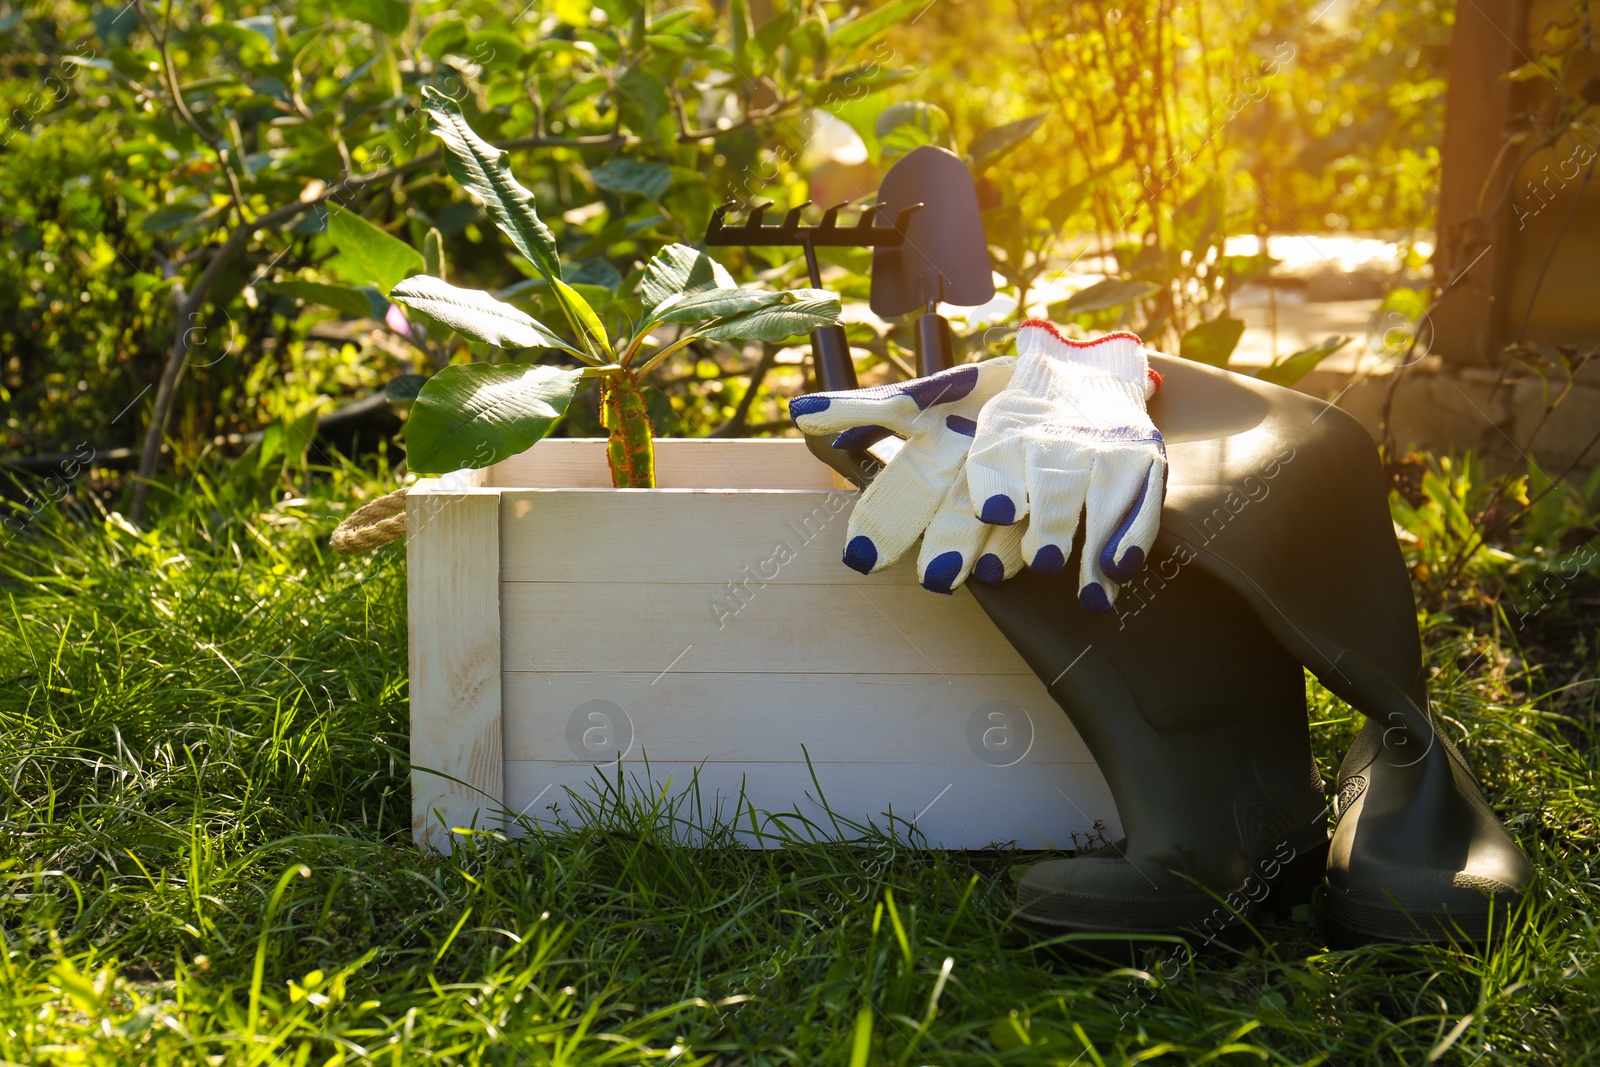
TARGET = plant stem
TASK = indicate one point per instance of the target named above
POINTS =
(630, 445)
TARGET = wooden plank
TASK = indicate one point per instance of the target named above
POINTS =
(452, 564)
(853, 627)
(1032, 806)
(748, 538)
(836, 718)
(681, 463)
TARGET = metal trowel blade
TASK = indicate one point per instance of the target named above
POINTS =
(944, 255)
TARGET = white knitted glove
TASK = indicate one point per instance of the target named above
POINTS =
(921, 488)
(1070, 435)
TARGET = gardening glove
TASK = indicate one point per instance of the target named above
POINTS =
(920, 492)
(1069, 437)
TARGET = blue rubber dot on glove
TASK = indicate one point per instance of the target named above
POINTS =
(946, 387)
(961, 425)
(1093, 598)
(860, 438)
(941, 573)
(808, 405)
(990, 570)
(999, 510)
(1048, 560)
(860, 554)
(1121, 572)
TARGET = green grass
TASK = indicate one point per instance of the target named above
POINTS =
(206, 853)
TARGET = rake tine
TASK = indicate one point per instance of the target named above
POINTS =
(867, 226)
(789, 232)
(904, 217)
(830, 218)
(752, 223)
(717, 217)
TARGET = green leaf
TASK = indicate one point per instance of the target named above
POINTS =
(171, 216)
(345, 298)
(865, 27)
(1212, 342)
(390, 16)
(642, 100)
(313, 221)
(739, 15)
(591, 274)
(433, 253)
(808, 40)
(473, 415)
(987, 148)
(1061, 207)
(377, 303)
(606, 42)
(260, 31)
(475, 314)
(299, 432)
(1109, 293)
(496, 49)
(710, 304)
(1194, 222)
(775, 31)
(800, 312)
(403, 388)
(367, 255)
(680, 270)
(481, 170)
(449, 35)
(1290, 369)
(910, 124)
(583, 318)
(647, 179)
(690, 47)
(858, 81)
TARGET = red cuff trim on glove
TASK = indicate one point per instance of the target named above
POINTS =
(1050, 328)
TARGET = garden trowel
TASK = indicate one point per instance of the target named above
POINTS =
(944, 256)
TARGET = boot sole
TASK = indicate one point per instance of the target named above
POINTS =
(1355, 917)
(1196, 912)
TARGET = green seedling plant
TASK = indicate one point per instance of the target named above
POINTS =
(476, 414)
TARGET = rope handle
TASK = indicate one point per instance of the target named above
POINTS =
(373, 524)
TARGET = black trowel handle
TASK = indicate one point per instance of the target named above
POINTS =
(935, 344)
(830, 356)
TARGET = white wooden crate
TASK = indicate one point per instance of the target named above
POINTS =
(709, 626)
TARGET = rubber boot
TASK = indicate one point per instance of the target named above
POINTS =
(1280, 498)
(1203, 743)
(1204, 746)
(1417, 853)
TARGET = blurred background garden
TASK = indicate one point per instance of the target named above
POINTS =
(204, 823)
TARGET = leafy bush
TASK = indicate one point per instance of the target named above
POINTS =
(191, 160)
